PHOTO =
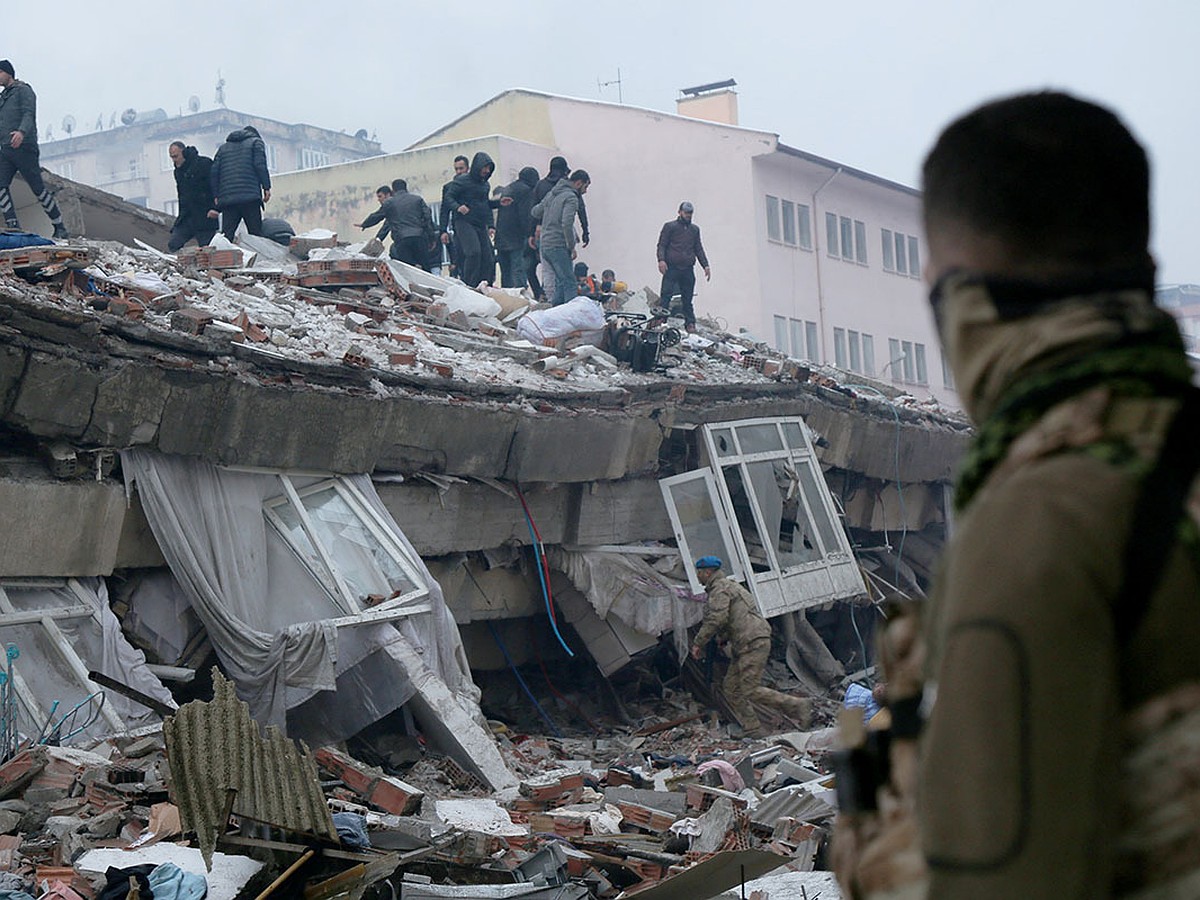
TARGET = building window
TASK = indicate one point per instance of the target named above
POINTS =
(847, 235)
(831, 234)
(868, 355)
(164, 158)
(804, 219)
(854, 351)
(847, 238)
(947, 375)
(860, 242)
(789, 222)
(66, 169)
(312, 158)
(171, 207)
(272, 160)
(839, 347)
(781, 334)
(901, 253)
(814, 346)
(773, 233)
(908, 362)
(796, 337)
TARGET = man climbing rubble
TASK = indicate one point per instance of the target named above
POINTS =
(732, 614)
(1059, 717)
(19, 150)
(469, 196)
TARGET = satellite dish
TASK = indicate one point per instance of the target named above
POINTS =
(194, 103)
(68, 124)
(361, 134)
(129, 116)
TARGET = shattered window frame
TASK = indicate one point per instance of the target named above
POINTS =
(833, 574)
(690, 554)
(331, 576)
(48, 618)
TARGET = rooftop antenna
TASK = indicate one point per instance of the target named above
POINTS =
(601, 85)
(220, 89)
(68, 124)
(193, 104)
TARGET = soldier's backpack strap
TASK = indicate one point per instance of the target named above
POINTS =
(1157, 515)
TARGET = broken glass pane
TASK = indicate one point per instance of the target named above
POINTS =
(794, 434)
(785, 519)
(703, 534)
(826, 527)
(368, 567)
(723, 441)
(751, 539)
(759, 438)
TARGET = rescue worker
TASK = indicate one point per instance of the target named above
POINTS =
(1059, 717)
(731, 613)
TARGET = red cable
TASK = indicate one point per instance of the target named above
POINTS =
(539, 553)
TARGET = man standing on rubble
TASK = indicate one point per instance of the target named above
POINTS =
(513, 224)
(470, 200)
(679, 247)
(446, 211)
(1060, 711)
(19, 150)
(557, 213)
(241, 184)
(409, 222)
(732, 614)
(197, 216)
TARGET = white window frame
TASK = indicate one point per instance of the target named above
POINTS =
(690, 554)
(48, 618)
(832, 234)
(787, 214)
(774, 219)
(804, 219)
(889, 250)
(331, 579)
(313, 158)
(860, 242)
(171, 207)
(781, 333)
(834, 575)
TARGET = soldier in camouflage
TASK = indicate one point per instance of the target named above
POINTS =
(731, 614)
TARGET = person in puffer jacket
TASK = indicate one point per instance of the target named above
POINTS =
(241, 184)
(469, 197)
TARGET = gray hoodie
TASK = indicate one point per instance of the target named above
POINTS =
(557, 212)
(18, 112)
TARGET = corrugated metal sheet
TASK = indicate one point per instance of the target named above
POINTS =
(216, 747)
(808, 802)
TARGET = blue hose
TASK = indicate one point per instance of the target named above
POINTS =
(537, 554)
(521, 681)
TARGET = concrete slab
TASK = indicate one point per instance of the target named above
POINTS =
(228, 876)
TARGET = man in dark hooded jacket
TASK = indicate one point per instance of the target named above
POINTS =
(409, 221)
(513, 224)
(241, 184)
(470, 199)
(197, 216)
(19, 150)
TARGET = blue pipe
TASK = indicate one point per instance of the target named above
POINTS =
(537, 555)
(521, 681)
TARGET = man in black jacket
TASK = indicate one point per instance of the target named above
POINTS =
(241, 184)
(197, 216)
(469, 196)
(446, 211)
(19, 150)
(409, 221)
(679, 247)
(513, 225)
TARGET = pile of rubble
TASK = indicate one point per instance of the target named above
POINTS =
(319, 303)
(673, 809)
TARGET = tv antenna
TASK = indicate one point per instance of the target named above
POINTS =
(193, 104)
(220, 89)
(68, 125)
(601, 85)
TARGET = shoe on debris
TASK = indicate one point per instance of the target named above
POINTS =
(61, 233)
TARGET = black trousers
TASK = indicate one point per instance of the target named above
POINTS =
(532, 258)
(26, 160)
(185, 231)
(233, 214)
(682, 282)
(411, 250)
(476, 261)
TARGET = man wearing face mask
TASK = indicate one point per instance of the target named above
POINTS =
(1059, 718)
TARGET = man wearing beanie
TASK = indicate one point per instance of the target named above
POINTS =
(19, 149)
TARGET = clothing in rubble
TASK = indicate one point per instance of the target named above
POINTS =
(18, 116)
(513, 226)
(476, 261)
(194, 189)
(410, 224)
(679, 247)
(731, 613)
(240, 181)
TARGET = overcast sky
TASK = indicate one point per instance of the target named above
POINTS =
(868, 84)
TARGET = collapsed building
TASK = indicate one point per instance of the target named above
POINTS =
(362, 492)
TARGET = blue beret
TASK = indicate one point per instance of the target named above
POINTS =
(708, 562)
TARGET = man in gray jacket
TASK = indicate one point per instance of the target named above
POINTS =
(19, 150)
(557, 213)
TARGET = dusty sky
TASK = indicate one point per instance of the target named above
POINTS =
(868, 84)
